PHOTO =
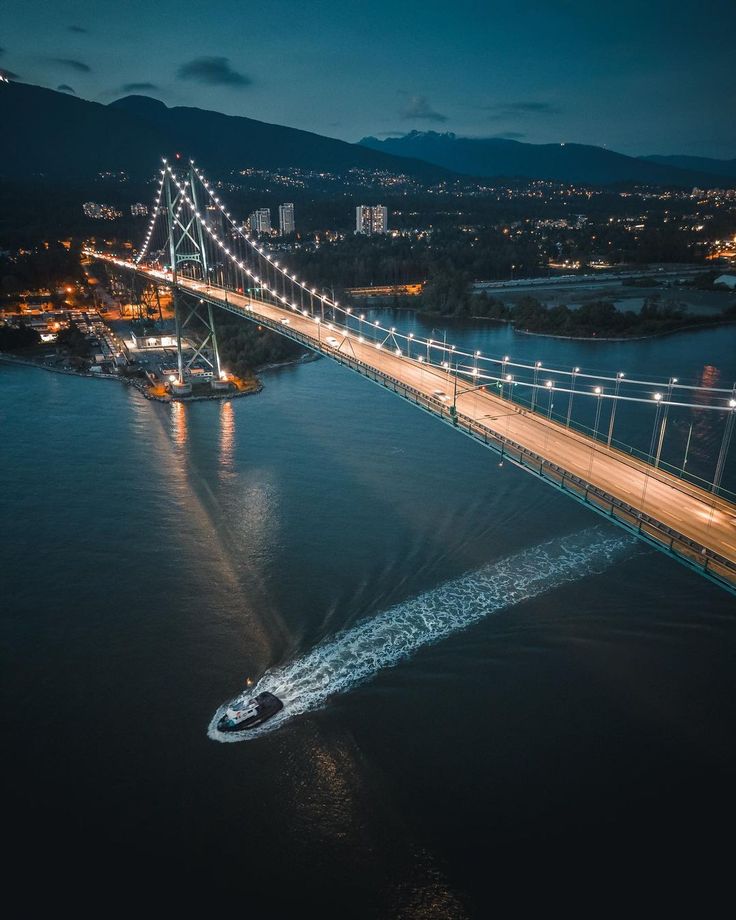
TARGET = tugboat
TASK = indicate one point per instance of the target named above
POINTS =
(250, 712)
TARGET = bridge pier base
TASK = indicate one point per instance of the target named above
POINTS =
(181, 389)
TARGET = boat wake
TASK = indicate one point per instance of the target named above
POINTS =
(355, 655)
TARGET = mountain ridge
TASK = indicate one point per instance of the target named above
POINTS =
(567, 162)
(62, 136)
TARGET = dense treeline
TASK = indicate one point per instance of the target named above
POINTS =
(447, 296)
(13, 338)
(244, 347)
(39, 268)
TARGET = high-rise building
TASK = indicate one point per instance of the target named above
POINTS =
(286, 219)
(370, 220)
(260, 221)
(139, 209)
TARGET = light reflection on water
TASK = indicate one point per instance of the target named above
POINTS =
(227, 435)
(179, 425)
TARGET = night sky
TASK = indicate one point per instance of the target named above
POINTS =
(653, 76)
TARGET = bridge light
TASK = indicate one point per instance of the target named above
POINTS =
(172, 378)
(548, 384)
(538, 364)
(620, 375)
(509, 378)
(657, 396)
(732, 403)
(597, 391)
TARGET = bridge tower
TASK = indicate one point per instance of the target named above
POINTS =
(186, 245)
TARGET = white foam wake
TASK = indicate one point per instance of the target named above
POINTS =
(358, 653)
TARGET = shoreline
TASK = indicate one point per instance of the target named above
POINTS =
(136, 384)
(690, 327)
(144, 389)
(630, 338)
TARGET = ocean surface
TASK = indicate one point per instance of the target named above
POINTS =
(489, 688)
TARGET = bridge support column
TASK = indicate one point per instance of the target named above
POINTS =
(177, 321)
(215, 346)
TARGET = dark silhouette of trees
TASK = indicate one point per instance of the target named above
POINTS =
(18, 336)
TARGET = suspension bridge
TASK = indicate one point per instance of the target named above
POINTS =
(196, 248)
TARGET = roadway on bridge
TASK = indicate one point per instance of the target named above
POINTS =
(685, 508)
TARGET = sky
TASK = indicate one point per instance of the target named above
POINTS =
(640, 77)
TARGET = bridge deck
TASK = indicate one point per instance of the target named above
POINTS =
(699, 526)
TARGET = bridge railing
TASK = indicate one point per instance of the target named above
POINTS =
(716, 567)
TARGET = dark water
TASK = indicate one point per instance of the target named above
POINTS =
(561, 713)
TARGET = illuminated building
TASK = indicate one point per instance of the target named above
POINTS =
(286, 219)
(370, 220)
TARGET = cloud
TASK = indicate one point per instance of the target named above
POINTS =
(65, 88)
(418, 108)
(79, 66)
(137, 87)
(2, 50)
(8, 74)
(213, 70)
(510, 135)
(505, 110)
(78, 29)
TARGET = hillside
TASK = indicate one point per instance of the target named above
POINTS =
(61, 136)
(564, 162)
(700, 164)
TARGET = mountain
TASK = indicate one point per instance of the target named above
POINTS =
(62, 136)
(581, 163)
(700, 164)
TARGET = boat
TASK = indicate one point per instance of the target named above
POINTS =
(250, 712)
